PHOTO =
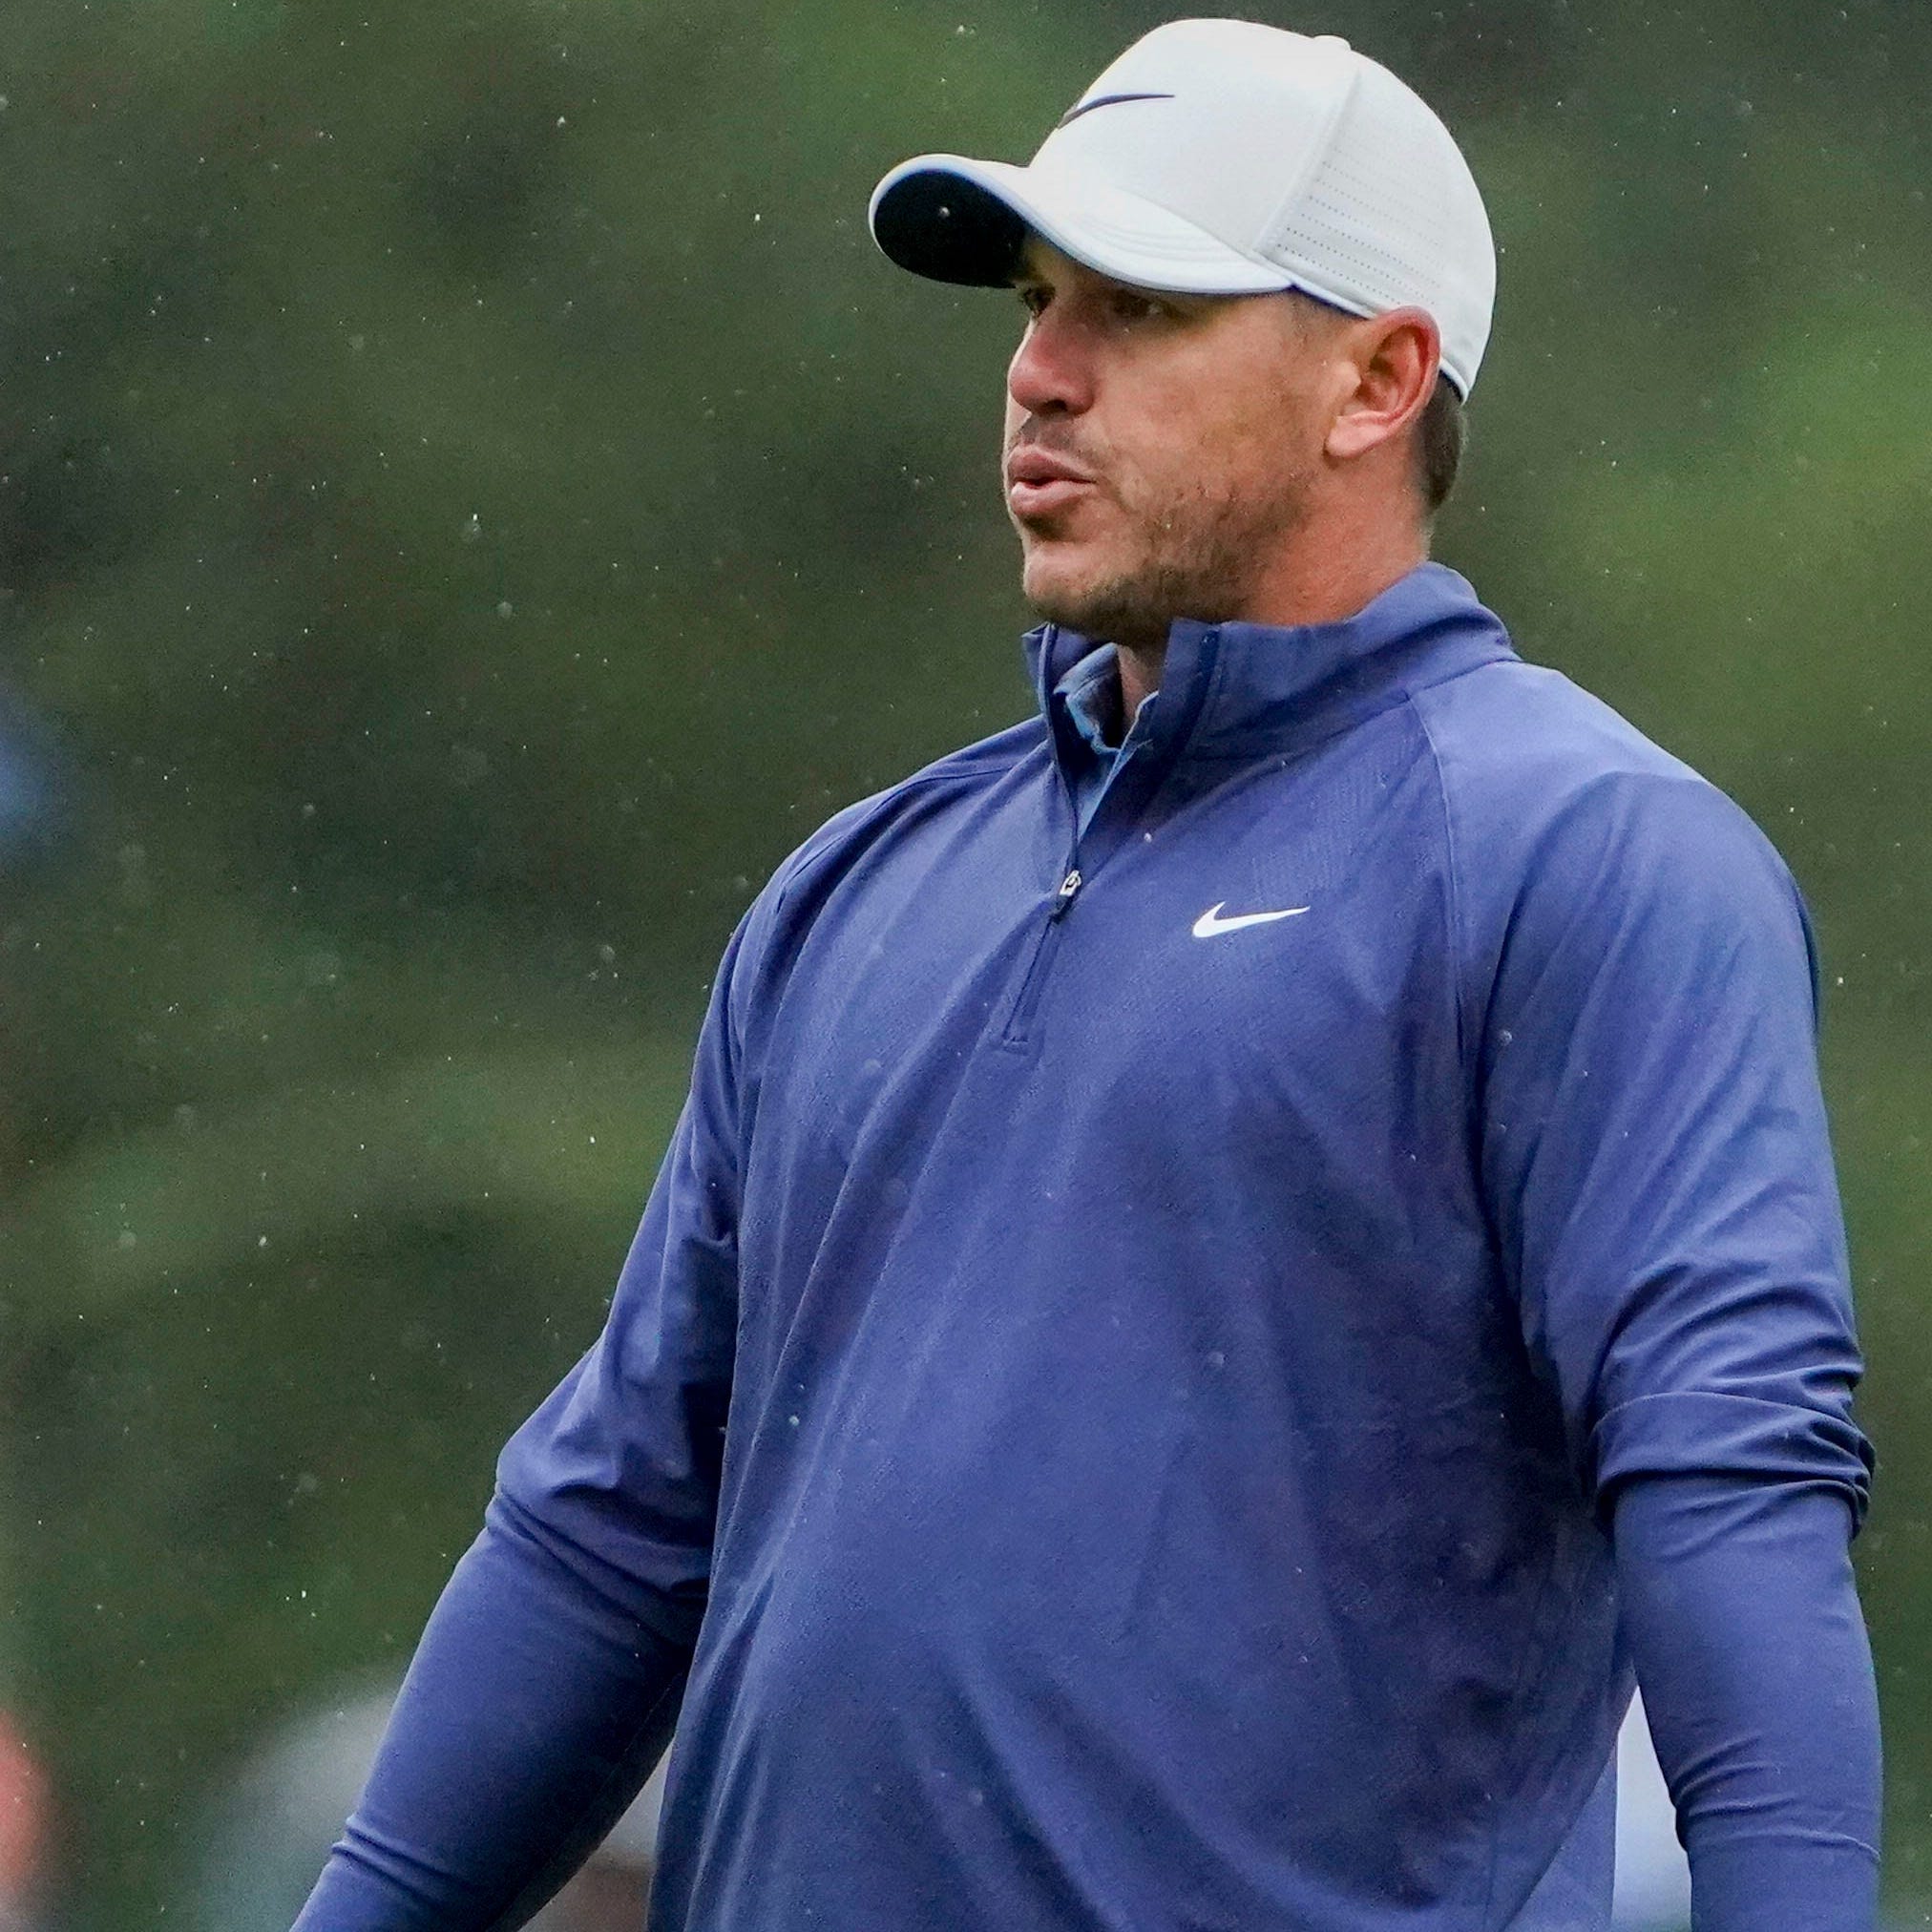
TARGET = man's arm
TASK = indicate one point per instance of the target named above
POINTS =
(547, 1681)
(531, 1716)
(1740, 1614)
(1657, 1158)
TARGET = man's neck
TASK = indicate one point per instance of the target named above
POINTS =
(1329, 588)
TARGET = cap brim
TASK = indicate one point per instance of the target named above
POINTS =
(956, 220)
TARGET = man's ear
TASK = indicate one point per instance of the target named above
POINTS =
(1395, 358)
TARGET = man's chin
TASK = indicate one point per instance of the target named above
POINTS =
(1064, 592)
(1087, 598)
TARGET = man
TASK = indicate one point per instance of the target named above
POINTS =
(1238, 1252)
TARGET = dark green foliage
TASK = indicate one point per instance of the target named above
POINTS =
(471, 498)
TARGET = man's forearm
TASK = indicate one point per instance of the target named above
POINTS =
(533, 1710)
(1741, 1617)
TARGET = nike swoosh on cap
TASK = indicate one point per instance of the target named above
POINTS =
(1210, 923)
(1073, 114)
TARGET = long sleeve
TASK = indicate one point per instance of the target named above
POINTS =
(547, 1681)
(1739, 1611)
(531, 1716)
(1659, 1172)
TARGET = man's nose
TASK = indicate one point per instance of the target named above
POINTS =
(1050, 370)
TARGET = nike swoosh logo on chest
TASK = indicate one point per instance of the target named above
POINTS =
(1210, 924)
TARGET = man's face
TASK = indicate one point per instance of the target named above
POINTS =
(1158, 448)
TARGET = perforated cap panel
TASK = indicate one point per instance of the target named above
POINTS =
(1389, 215)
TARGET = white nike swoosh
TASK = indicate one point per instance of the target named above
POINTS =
(1210, 922)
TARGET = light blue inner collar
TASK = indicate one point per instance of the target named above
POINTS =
(1090, 690)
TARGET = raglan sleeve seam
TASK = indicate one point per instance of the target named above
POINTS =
(751, 971)
(1452, 872)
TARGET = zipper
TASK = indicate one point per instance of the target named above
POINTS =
(1121, 809)
(1020, 1016)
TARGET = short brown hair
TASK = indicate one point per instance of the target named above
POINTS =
(1440, 437)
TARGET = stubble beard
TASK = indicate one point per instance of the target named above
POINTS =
(1196, 559)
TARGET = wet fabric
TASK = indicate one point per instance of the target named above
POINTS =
(1157, 1346)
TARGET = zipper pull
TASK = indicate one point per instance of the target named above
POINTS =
(1063, 898)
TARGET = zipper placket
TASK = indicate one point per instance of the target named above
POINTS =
(1021, 1018)
(1119, 809)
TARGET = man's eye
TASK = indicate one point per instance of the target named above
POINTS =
(1033, 299)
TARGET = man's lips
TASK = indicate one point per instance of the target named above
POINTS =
(1038, 481)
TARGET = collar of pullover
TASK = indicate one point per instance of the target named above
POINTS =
(1236, 688)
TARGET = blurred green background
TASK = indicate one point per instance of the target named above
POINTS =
(472, 498)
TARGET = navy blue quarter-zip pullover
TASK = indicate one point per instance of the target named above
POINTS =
(1175, 1361)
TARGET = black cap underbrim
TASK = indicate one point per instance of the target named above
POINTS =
(949, 229)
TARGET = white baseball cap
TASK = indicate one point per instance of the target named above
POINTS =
(1225, 158)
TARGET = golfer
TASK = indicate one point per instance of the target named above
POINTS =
(1242, 1255)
